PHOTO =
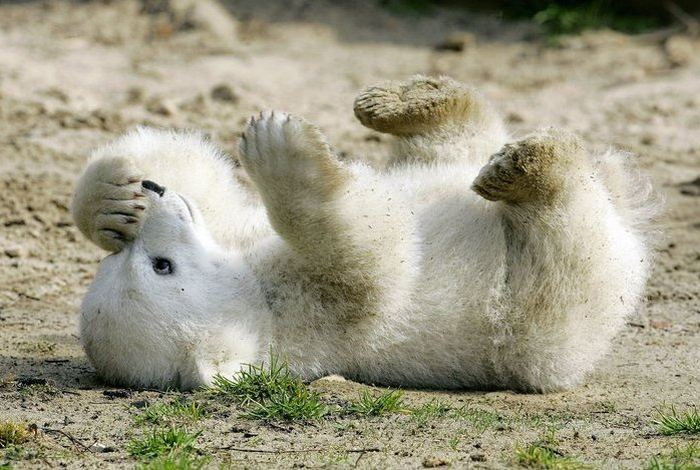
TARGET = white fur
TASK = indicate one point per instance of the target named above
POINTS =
(460, 291)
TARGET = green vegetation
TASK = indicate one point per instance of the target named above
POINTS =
(176, 462)
(557, 18)
(167, 449)
(538, 456)
(433, 409)
(168, 445)
(176, 411)
(479, 418)
(297, 404)
(13, 433)
(163, 442)
(370, 405)
(678, 459)
(270, 393)
(672, 423)
(41, 391)
(543, 454)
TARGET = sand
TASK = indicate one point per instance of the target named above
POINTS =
(74, 75)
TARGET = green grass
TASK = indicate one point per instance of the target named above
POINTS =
(168, 446)
(176, 411)
(433, 409)
(39, 391)
(556, 19)
(543, 454)
(370, 405)
(270, 393)
(298, 404)
(542, 457)
(16, 453)
(161, 443)
(480, 419)
(176, 462)
(678, 459)
(13, 433)
(672, 423)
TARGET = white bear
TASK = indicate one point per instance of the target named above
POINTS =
(468, 262)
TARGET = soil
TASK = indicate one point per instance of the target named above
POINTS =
(74, 75)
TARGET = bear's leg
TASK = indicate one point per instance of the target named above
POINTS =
(574, 268)
(349, 238)
(433, 119)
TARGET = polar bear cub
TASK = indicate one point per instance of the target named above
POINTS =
(468, 262)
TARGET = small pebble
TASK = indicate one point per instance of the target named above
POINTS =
(456, 42)
(116, 393)
(223, 93)
(162, 107)
(432, 462)
(679, 50)
(100, 448)
(134, 95)
(13, 252)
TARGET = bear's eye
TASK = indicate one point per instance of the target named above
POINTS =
(162, 266)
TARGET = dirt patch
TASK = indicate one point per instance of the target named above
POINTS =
(74, 75)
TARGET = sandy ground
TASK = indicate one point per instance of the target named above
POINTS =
(76, 74)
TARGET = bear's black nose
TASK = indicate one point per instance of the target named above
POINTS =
(155, 187)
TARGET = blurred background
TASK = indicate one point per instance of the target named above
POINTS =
(75, 74)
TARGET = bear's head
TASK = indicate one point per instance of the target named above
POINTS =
(156, 313)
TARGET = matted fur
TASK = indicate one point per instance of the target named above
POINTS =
(403, 277)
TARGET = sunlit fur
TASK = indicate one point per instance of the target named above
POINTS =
(512, 270)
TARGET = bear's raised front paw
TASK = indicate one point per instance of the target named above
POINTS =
(287, 156)
(531, 169)
(110, 204)
(415, 106)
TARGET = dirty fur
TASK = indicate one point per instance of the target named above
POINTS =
(404, 277)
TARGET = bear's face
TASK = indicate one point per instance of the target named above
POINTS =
(173, 251)
(152, 302)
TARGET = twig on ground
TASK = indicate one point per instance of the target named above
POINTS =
(295, 451)
(362, 454)
(74, 440)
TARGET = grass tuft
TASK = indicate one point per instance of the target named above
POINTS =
(369, 405)
(13, 433)
(164, 413)
(480, 419)
(256, 383)
(433, 409)
(673, 423)
(176, 462)
(679, 459)
(299, 404)
(544, 455)
(270, 393)
(162, 443)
